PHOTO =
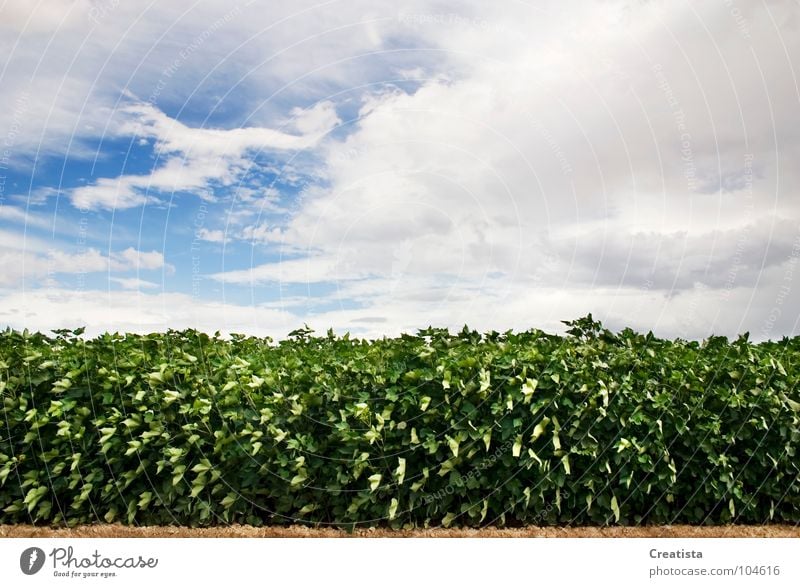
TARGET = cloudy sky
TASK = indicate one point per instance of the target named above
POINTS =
(376, 167)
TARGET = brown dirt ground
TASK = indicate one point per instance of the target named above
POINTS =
(120, 531)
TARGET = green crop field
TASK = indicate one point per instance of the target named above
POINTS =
(438, 428)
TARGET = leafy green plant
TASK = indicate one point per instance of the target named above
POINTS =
(436, 428)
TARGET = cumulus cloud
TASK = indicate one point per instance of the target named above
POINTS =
(24, 217)
(28, 260)
(510, 165)
(194, 157)
(129, 311)
(696, 313)
(133, 283)
(29, 18)
(635, 147)
(132, 258)
(304, 270)
(69, 64)
(676, 261)
(212, 236)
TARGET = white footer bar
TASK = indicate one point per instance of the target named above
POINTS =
(401, 562)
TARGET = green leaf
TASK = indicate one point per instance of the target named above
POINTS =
(540, 428)
(529, 387)
(400, 471)
(374, 481)
(308, 508)
(34, 496)
(535, 457)
(144, 500)
(14, 508)
(239, 429)
(484, 377)
(515, 450)
(203, 466)
(453, 444)
(615, 507)
(177, 474)
(171, 396)
(484, 510)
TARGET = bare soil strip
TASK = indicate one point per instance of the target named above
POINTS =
(120, 531)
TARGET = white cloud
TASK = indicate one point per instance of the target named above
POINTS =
(13, 267)
(305, 270)
(13, 240)
(68, 63)
(315, 121)
(27, 18)
(675, 261)
(24, 217)
(555, 136)
(212, 236)
(131, 259)
(128, 311)
(193, 157)
(133, 283)
(261, 233)
(145, 120)
(30, 260)
(696, 313)
(19, 267)
(119, 193)
(624, 158)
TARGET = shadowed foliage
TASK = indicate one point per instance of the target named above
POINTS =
(438, 428)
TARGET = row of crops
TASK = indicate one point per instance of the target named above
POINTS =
(438, 428)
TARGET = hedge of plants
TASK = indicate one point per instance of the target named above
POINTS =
(437, 428)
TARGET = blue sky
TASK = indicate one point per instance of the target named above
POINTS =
(378, 168)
